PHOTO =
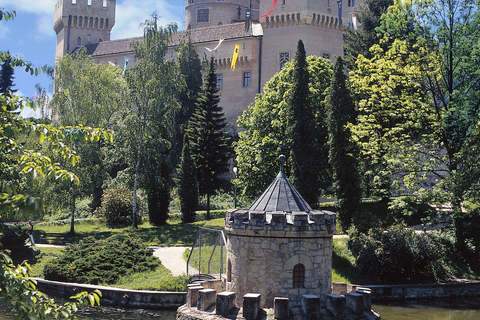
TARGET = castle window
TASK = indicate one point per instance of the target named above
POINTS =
(284, 57)
(74, 1)
(106, 23)
(284, 2)
(89, 2)
(104, 3)
(80, 22)
(219, 81)
(247, 79)
(229, 270)
(101, 24)
(351, 3)
(203, 15)
(326, 55)
(299, 276)
(79, 42)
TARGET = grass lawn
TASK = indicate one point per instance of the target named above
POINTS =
(172, 235)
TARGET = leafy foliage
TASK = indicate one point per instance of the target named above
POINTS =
(116, 207)
(398, 255)
(265, 124)
(101, 261)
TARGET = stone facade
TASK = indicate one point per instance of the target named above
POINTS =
(265, 249)
(264, 48)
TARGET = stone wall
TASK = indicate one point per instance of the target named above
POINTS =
(115, 296)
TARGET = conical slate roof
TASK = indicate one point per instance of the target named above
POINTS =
(281, 196)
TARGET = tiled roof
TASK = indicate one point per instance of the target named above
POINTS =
(200, 35)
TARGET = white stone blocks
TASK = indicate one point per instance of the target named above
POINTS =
(251, 306)
(192, 295)
(206, 299)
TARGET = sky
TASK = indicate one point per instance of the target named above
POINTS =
(31, 37)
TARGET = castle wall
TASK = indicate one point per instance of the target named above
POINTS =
(263, 251)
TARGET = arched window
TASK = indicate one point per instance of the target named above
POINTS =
(79, 42)
(80, 22)
(229, 270)
(101, 24)
(299, 276)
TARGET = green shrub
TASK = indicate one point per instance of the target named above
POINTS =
(13, 238)
(408, 210)
(116, 209)
(101, 261)
(398, 255)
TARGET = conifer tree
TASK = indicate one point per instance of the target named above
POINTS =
(6, 77)
(210, 140)
(302, 130)
(188, 186)
(342, 151)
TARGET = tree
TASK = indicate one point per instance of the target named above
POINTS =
(154, 85)
(191, 70)
(306, 152)
(342, 150)
(210, 141)
(6, 77)
(265, 124)
(359, 41)
(90, 94)
(17, 290)
(435, 127)
(188, 185)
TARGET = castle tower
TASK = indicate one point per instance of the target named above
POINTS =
(280, 247)
(208, 13)
(81, 22)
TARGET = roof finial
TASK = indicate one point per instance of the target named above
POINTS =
(282, 159)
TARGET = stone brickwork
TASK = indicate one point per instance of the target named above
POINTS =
(263, 250)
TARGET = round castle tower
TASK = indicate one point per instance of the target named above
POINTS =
(208, 13)
(81, 22)
(280, 247)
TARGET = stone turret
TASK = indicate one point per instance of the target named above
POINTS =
(81, 22)
(279, 247)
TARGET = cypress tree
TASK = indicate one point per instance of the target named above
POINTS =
(188, 186)
(302, 130)
(6, 78)
(342, 150)
(210, 142)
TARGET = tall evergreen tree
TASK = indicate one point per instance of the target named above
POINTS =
(302, 129)
(342, 151)
(188, 185)
(6, 77)
(210, 140)
(191, 69)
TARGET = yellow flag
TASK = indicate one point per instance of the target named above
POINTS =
(235, 56)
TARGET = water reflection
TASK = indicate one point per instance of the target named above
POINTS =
(444, 309)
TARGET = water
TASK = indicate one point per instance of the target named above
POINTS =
(451, 309)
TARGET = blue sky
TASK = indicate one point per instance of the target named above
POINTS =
(31, 36)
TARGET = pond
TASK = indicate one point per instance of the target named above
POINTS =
(445, 309)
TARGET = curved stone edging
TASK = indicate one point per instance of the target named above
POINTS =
(457, 289)
(117, 297)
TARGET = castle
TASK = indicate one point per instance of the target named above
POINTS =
(266, 41)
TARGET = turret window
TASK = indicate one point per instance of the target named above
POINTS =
(299, 276)
(284, 57)
(203, 15)
(79, 42)
(247, 79)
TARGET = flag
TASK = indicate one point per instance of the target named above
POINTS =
(274, 4)
(339, 2)
(218, 45)
(235, 56)
(248, 18)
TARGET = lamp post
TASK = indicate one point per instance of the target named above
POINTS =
(235, 173)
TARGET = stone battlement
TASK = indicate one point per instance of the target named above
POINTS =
(299, 224)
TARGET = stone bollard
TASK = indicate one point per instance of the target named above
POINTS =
(206, 299)
(225, 303)
(355, 303)
(251, 306)
(216, 284)
(367, 298)
(311, 307)
(280, 307)
(192, 295)
(336, 304)
(339, 288)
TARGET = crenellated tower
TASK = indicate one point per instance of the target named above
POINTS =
(209, 13)
(81, 22)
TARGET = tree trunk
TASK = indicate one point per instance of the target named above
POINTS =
(208, 206)
(72, 216)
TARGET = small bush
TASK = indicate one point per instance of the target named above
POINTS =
(408, 210)
(13, 238)
(398, 255)
(101, 261)
(116, 209)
